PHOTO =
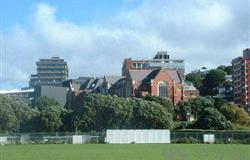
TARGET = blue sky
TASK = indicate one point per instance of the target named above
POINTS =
(94, 36)
(77, 11)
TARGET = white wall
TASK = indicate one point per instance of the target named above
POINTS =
(138, 136)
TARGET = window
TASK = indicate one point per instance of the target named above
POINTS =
(162, 89)
(134, 65)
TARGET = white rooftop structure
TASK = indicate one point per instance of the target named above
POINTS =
(22, 93)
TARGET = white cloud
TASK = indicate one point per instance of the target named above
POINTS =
(200, 31)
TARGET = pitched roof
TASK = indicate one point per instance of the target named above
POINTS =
(112, 79)
(189, 86)
(174, 74)
(139, 75)
(146, 75)
(92, 84)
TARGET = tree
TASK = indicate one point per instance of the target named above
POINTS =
(100, 112)
(166, 103)
(212, 80)
(183, 111)
(25, 115)
(218, 103)
(211, 118)
(227, 69)
(51, 114)
(236, 115)
(50, 119)
(7, 115)
(150, 115)
(193, 107)
(43, 102)
(196, 78)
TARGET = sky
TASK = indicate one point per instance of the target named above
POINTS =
(94, 36)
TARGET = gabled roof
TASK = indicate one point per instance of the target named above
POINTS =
(92, 84)
(174, 74)
(189, 86)
(146, 75)
(112, 79)
(139, 75)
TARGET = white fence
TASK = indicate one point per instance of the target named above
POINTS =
(137, 136)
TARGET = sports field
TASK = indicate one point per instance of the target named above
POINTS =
(125, 152)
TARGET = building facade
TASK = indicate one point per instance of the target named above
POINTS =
(51, 71)
(132, 64)
(156, 82)
(241, 79)
(190, 91)
(113, 85)
(56, 92)
(160, 60)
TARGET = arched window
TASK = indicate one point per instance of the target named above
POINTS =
(162, 89)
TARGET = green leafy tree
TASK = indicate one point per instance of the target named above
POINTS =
(100, 112)
(51, 114)
(227, 69)
(43, 102)
(218, 103)
(7, 116)
(166, 103)
(236, 115)
(150, 115)
(211, 118)
(183, 111)
(25, 115)
(196, 78)
(212, 80)
(193, 107)
(50, 119)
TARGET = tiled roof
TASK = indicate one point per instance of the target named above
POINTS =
(189, 86)
(92, 84)
(113, 79)
(174, 75)
(139, 75)
(146, 75)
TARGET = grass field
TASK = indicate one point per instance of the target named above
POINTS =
(125, 152)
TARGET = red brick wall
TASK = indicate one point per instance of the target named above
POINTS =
(190, 94)
(175, 90)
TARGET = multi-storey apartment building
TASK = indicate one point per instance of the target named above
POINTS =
(51, 71)
(241, 79)
(160, 60)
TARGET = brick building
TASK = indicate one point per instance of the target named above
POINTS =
(130, 63)
(156, 82)
(190, 91)
(160, 60)
(241, 79)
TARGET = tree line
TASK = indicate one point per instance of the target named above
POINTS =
(208, 81)
(96, 113)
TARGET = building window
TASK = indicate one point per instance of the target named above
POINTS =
(162, 89)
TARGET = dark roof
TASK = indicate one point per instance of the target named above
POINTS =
(174, 74)
(146, 75)
(92, 84)
(113, 79)
(139, 75)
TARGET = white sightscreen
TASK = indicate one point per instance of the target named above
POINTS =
(77, 139)
(208, 138)
(138, 136)
(3, 140)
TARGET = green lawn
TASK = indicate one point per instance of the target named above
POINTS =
(126, 152)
